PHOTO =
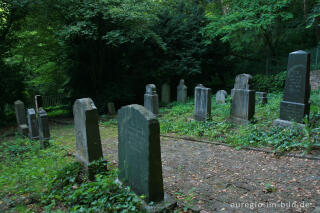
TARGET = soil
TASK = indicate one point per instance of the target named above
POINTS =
(218, 178)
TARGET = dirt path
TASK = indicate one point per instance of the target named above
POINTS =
(222, 179)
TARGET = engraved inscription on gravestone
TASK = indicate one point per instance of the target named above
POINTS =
(295, 104)
(139, 152)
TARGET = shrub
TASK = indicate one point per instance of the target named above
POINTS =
(269, 83)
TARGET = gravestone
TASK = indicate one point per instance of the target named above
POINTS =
(202, 100)
(38, 102)
(151, 100)
(243, 100)
(32, 124)
(221, 96)
(165, 93)
(21, 117)
(111, 108)
(44, 131)
(295, 104)
(181, 92)
(261, 98)
(139, 152)
(88, 143)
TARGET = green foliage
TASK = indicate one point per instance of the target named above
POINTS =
(81, 195)
(261, 133)
(269, 83)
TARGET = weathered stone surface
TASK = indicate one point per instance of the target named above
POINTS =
(295, 105)
(202, 102)
(139, 152)
(242, 81)
(21, 117)
(111, 108)
(44, 131)
(221, 96)
(32, 124)
(181, 92)
(88, 143)
(261, 98)
(165, 93)
(38, 102)
(151, 100)
(243, 100)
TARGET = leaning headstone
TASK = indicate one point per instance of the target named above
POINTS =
(261, 98)
(44, 131)
(21, 117)
(221, 96)
(139, 152)
(32, 124)
(295, 104)
(111, 108)
(202, 102)
(165, 93)
(88, 143)
(243, 100)
(38, 102)
(181, 92)
(151, 100)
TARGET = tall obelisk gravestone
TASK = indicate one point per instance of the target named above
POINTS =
(295, 104)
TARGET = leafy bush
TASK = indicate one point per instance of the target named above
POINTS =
(69, 189)
(269, 83)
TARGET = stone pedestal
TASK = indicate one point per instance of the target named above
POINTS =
(151, 100)
(21, 117)
(33, 124)
(165, 93)
(202, 103)
(181, 92)
(243, 100)
(44, 131)
(261, 98)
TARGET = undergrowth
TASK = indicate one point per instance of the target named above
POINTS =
(260, 133)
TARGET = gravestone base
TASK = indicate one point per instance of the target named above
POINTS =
(166, 205)
(292, 111)
(285, 123)
(23, 129)
(239, 121)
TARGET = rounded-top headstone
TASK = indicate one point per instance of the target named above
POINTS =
(243, 81)
(151, 89)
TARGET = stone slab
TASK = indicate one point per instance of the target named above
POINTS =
(151, 100)
(32, 124)
(182, 92)
(139, 152)
(202, 103)
(88, 142)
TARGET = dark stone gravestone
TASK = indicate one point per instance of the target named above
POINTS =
(243, 100)
(111, 108)
(44, 131)
(165, 93)
(151, 100)
(21, 117)
(139, 152)
(295, 104)
(88, 143)
(221, 96)
(38, 102)
(181, 92)
(32, 124)
(202, 102)
(261, 98)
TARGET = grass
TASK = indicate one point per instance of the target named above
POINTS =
(33, 179)
(177, 119)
